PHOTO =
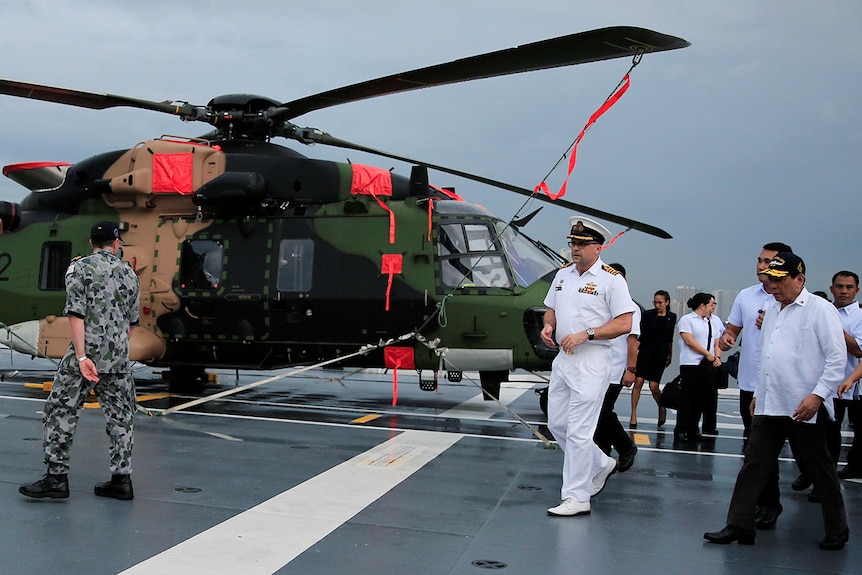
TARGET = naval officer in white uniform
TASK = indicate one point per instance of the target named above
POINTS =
(588, 306)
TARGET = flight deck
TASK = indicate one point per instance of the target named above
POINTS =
(319, 472)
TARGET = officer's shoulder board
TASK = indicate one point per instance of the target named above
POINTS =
(564, 266)
(610, 270)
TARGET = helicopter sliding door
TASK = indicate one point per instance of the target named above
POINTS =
(223, 286)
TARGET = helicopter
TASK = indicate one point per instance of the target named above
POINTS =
(251, 255)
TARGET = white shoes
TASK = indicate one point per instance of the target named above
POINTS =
(570, 507)
(601, 479)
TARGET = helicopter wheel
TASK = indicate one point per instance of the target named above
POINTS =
(185, 379)
(543, 399)
(491, 381)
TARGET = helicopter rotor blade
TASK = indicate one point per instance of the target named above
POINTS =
(309, 135)
(580, 48)
(94, 100)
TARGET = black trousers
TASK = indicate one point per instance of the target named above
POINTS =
(745, 398)
(768, 434)
(609, 432)
(698, 398)
(853, 408)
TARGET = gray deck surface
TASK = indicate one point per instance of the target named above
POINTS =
(477, 506)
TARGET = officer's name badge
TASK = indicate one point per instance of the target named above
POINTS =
(591, 288)
(559, 286)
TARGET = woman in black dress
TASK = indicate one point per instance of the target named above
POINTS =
(655, 353)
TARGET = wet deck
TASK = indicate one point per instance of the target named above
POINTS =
(319, 474)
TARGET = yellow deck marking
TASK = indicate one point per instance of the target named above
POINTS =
(153, 396)
(140, 398)
(366, 418)
(641, 439)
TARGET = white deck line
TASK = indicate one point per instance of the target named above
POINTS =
(267, 537)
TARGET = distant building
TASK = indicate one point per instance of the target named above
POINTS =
(679, 305)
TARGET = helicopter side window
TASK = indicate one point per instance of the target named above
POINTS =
(201, 265)
(469, 257)
(55, 259)
(295, 259)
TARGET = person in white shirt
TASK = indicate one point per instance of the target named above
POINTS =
(801, 365)
(747, 307)
(699, 332)
(845, 288)
(747, 312)
(610, 433)
(588, 306)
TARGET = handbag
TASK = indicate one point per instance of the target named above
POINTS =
(732, 364)
(719, 377)
(713, 375)
(670, 394)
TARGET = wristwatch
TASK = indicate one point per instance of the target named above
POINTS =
(591, 334)
(82, 358)
(631, 369)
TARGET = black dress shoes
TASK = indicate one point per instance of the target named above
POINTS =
(119, 487)
(628, 459)
(50, 486)
(850, 473)
(730, 534)
(801, 483)
(835, 542)
(767, 516)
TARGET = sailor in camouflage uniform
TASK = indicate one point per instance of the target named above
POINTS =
(102, 304)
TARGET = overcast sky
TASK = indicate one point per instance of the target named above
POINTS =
(752, 134)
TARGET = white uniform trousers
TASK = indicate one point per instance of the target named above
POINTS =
(575, 395)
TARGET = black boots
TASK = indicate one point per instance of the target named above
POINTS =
(57, 487)
(50, 486)
(119, 487)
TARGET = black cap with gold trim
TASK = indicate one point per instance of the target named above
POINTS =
(587, 230)
(784, 264)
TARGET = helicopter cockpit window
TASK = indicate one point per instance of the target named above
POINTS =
(469, 257)
(55, 259)
(528, 262)
(201, 265)
(295, 259)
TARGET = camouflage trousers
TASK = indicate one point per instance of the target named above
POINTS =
(116, 394)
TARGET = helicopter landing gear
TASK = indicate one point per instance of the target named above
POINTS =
(426, 384)
(185, 379)
(491, 381)
(543, 399)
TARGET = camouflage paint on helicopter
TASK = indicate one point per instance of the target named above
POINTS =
(251, 255)
(230, 281)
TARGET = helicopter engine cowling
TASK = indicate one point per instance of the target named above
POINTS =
(10, 216)
(232, 189)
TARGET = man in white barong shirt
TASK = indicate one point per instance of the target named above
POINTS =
(802, 360)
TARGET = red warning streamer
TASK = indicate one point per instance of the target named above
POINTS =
(543, 187)
(374, 182)
(396, 358)
(392, 264)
